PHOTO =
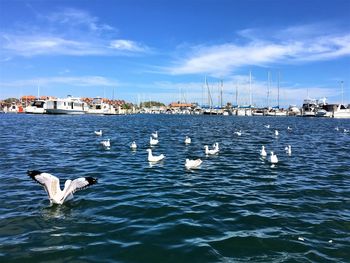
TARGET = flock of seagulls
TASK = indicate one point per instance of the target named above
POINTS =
(192, 164)
(51, 183)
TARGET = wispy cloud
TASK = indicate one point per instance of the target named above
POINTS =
(68, 32)
(286, 46)
(128, 45)
(75, 17)
(80, 81)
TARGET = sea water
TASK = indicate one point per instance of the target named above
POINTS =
(236, 207)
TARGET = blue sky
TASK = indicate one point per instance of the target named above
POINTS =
(163, 50)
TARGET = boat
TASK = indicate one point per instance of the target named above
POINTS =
(97, 106)
(309, 108)
(36, 107)
(342, 112)
(69, 105)
(293, 110)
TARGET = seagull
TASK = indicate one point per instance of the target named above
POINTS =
(152, 158)
(346, 130)
(155, 135)
(263, 152)
(301, 239)
(273, 158)
(211, 152)
(289, 128)
(238, 133)
(98, 133)
(106, 144)
(133, 145)
(52, 186)
(192, 164)
(153, 141)
(336, 128)
(267, 126)
(288, 149)
(187, 140)
(276, 132)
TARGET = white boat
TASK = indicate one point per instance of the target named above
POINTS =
(309, 108)
(36, 107)
(342, 112)
(69, 105)
(97, 106)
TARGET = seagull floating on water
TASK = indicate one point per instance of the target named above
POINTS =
(52, 186)
(336, 128)
(155, 135)
(187, 140)
(106, 144)
(263, 152)
(153, 141)
(273, 158)
(346, 130)
(267, 126)
(192, 164)
(133, 145)
(98, 133)
(152, 158)
(276, 132)
(212, 151)
(238, 133)
(288, 150)
(289, 128)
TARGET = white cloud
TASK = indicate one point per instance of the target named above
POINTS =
(127, 45)
(29, 45)
(81, 81)
(291, 45)
(70, 32)
(74, 17)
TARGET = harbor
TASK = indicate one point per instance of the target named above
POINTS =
(103, 106)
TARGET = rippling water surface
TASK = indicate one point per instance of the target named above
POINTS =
(235, 208)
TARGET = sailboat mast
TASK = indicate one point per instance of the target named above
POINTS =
(237, 94)
(278, 89)
(221, 91)
(250, 88)
(342, 92)
(268, 88)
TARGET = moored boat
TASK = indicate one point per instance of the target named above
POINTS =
(69, 105)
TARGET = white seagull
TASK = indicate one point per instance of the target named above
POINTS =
(212, 151)
(192, 164)
(273, 158)
(187, 140)
(267, 126)
(263, 152)
(238, 133)
(276, 132)
(336, 128)
(346, 130)
(153, 141)
(152, 158)
(106, 144)
(98, 133)
(133, 145)
(52, 186)
(288, 150)
(155, 135)
(289, 128)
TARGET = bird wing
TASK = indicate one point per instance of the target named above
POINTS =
(78, 184)
(50, 182)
